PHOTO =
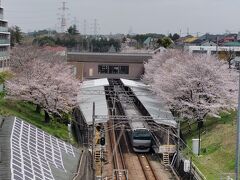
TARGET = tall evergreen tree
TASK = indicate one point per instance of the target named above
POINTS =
(16, 35)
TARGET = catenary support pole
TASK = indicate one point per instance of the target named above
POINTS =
(238, 135)
(93, 141)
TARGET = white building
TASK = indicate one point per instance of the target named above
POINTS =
(4, 41)
(210, 50)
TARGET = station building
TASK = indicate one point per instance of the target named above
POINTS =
(108, 65)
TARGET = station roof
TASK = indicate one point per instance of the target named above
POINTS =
(27, 152)
(93, 91)
(152, 104)
(108, 57)
(98, 96)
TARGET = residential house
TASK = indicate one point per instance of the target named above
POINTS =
(150, 43)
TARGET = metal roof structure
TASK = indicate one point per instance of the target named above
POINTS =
(157, 110)
(30, 153)
(86, 100)
(94, 91)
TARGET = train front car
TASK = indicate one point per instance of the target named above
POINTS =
(141, 140)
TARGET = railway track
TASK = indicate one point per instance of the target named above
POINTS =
(138, 166)
(147, 168)
(117, 156)
(144, 162)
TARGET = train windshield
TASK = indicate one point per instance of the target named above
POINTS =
(142, 134)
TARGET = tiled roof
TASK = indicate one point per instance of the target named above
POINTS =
(190, 39)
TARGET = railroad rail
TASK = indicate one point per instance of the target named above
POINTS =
(143, 161)
(117, 158)
(147, 168)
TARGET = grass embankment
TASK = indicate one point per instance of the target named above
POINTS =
(27, 112)
(217, 145)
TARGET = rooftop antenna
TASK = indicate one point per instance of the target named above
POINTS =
(63, 19)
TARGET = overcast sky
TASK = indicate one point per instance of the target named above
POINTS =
(119, 16)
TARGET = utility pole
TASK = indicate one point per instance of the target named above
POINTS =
(63, 19)
(101, 150)
(178, 143)
(188, 31)
(93, 141)
(238, 135)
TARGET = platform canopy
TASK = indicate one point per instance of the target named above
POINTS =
(153, 104)
(87, 98)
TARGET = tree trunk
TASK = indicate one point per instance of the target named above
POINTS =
(47, 117)
(200, 125)
(229, 64)
(38, 109)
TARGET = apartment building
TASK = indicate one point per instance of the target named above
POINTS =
(4, 41)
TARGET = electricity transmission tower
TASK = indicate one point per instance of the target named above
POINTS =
(63, 19)
(95, 27)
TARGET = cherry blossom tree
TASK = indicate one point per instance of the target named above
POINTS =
(193, 86)
(43, 78)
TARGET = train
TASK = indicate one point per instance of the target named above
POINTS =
(140, 136)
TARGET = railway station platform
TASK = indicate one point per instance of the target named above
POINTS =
(101, 102)
(96, 91)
